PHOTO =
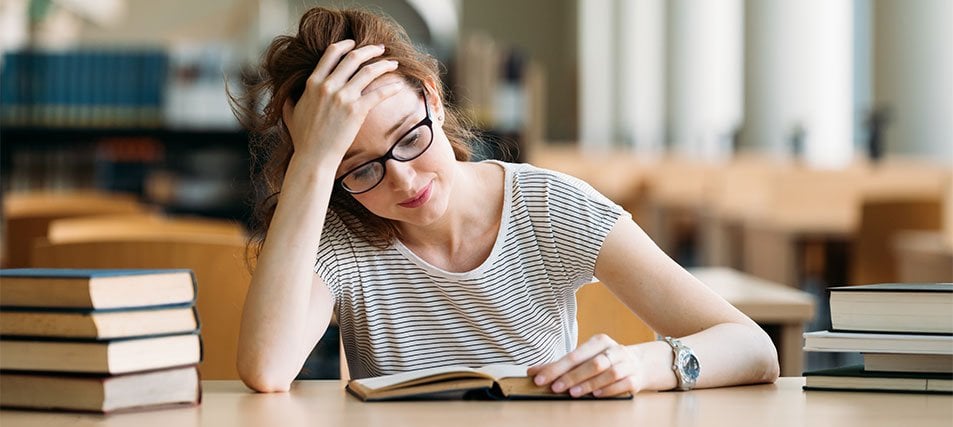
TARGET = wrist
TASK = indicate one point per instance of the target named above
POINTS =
(655, 365)
(685, 365)
(312, 167)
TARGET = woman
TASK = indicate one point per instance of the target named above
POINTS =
(373, 211)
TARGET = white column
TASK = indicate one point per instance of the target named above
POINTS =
(596, 70)
(799, 65)
(705, 75)
(913, 76)
(641, 76)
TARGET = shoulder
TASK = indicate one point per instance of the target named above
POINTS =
(526, 173)
(553, 185)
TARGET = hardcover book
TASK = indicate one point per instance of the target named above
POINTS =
(887, 362)
(98, 324)
(878, 343)
(856, 378)
(100, 393)
(114, 356)
(455, 382)
(895, 307)
(95, 288)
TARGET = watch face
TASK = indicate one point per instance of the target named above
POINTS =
(688, 364)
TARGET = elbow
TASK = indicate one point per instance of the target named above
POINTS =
(258, 377)
(771, 368)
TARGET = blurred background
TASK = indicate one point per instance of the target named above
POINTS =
(805, 142)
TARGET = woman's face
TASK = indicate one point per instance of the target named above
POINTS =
(415, 191)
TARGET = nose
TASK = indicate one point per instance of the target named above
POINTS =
(400, 175)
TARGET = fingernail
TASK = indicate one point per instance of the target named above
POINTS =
(575, 391)
(380, 46)
(597, 393)
(558, 387)
(539, 380)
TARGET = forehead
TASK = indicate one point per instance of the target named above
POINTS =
(403, 108)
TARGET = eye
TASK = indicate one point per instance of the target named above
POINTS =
(364, 173)
(411, 139)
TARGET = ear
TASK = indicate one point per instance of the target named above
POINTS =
(433, 97)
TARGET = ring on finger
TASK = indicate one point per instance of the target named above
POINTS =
(608, 357)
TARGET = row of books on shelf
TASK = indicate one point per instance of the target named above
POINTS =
(182, 86)
(84, 88)
(98, 340)
(903, 331)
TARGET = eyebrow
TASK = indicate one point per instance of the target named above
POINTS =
(387, 136)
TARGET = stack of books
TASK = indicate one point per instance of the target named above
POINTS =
(903, 331)
(98, 340)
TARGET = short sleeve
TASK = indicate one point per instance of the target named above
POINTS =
(334, 250)
(581, 219)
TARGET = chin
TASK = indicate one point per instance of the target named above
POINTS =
(427, 214)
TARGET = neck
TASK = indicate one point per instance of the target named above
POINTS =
(472, 214)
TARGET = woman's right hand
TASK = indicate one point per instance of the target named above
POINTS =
(330, 112)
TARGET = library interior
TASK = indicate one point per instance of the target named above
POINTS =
(795, 156)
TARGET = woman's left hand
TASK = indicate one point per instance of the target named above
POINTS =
(599, 366)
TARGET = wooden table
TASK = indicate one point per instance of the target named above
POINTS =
(325, 403)
(768, 304)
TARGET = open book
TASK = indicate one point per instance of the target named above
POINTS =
(487, 382)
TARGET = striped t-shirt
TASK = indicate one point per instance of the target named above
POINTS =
(398, 313)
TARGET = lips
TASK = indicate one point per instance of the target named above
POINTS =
(419, 199)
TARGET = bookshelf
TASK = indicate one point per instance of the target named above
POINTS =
(148, 120)
(193, 171)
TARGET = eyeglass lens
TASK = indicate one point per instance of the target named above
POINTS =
(410, 147)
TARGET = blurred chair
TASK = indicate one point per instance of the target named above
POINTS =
(599, 311)
(803, 227)
(923, 257)
(132, 226)
(27, 216)
(927, 256)
(872, 256)
(220, 270)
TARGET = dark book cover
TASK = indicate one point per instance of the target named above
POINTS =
(858, 371)
(80, 273)
(855, 378)
(897, 287)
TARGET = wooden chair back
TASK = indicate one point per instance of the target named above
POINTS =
(599, 311)
(873, 258)
(923, 257)
(27, 216)
(220, 270)
(134, 226)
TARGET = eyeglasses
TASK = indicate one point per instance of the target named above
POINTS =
(408, 147)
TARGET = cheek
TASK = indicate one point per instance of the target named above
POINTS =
(440, 153)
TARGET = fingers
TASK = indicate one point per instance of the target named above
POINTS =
(330, 59)
(374, 97)
(341, 72)
(617, 375)
(368, 74)
(547, 374)
(351, 62)
(599, 366)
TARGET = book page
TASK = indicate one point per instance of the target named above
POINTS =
(504, 371)
(384, 381)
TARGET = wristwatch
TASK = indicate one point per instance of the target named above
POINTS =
(685, 364)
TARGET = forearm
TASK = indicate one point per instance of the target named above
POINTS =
(275, 330)
(728, 354)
